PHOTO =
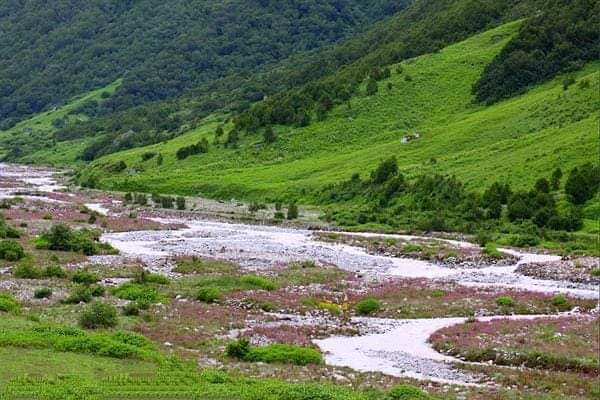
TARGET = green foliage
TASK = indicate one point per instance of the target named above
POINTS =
(198, 148)
(67, 339)
(61, 237)
(81, 59)
(11, 250)
(180, 203)
(258, 282)
(138, 292)
(79, 294)
(210, 295)
(292, 211)
(84, 277)
(583, 183)
(505, 301)
(238, 349)
(561, 302)
(26, 270)
(99, 315)
(42, 293)
(491, 251)
(284, 353)
(274, 353)
(562, 37)
(54, 271)
(7, 231)
(8, 303)
(367, 306)
(407, 392)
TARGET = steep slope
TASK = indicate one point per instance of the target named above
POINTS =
(296, 86)
(55, 50)
(517, 140)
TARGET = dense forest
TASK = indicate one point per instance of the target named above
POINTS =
(563, 37)
(52, 51)
(273, 63)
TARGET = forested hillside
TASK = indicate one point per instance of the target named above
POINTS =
(52, 51)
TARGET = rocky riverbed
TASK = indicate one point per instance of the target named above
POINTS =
(395, 347)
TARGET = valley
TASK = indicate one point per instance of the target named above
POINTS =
(371, 315)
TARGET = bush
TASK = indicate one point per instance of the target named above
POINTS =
(180, 203)
(144, 277)
(505, 301)
(284, 353)
(80, 294)
(84, 277)
(561, 302)
(99, 315)
(292, 212)
(54, 271)
(210, 295)
(595, 272)
(137, 292)
(42, 293)
(367, 306)
(26, 270)
(491, 251)
(8, 303)
(238, 349)
(131, 309)
(258, 281)
(11, 250)
(407, 392)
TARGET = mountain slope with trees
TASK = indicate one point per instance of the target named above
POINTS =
(52, 51)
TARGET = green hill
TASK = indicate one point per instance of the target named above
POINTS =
(55, 50)
(517, 140)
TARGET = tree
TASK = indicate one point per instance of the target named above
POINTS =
(180, 202)
(385, 170)
(269, 135)
(582, 183)
(556, 177)
(371, 87)
(292, 211)
(542, 185)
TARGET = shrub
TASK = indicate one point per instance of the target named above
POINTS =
(26, 270)
(505, 301)
(84, 277)
(166, 202)
(279, 215)
(595, 272)
(11, 250)
(131, 309)
(54, 271)
(238, 349)
(142, 277)
(42, 293)
(210, 295)
(367, 306)
(258, 281)
(407, 392)
(8, 303)
(137, 292)
(80, 294)
(99, 315)
(97, 290)
(292, 212)
(180, 203)
(561, 302)
(284, 353)
(491, 251)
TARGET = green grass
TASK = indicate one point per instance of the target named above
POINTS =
(39, 129)
(519, 139)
